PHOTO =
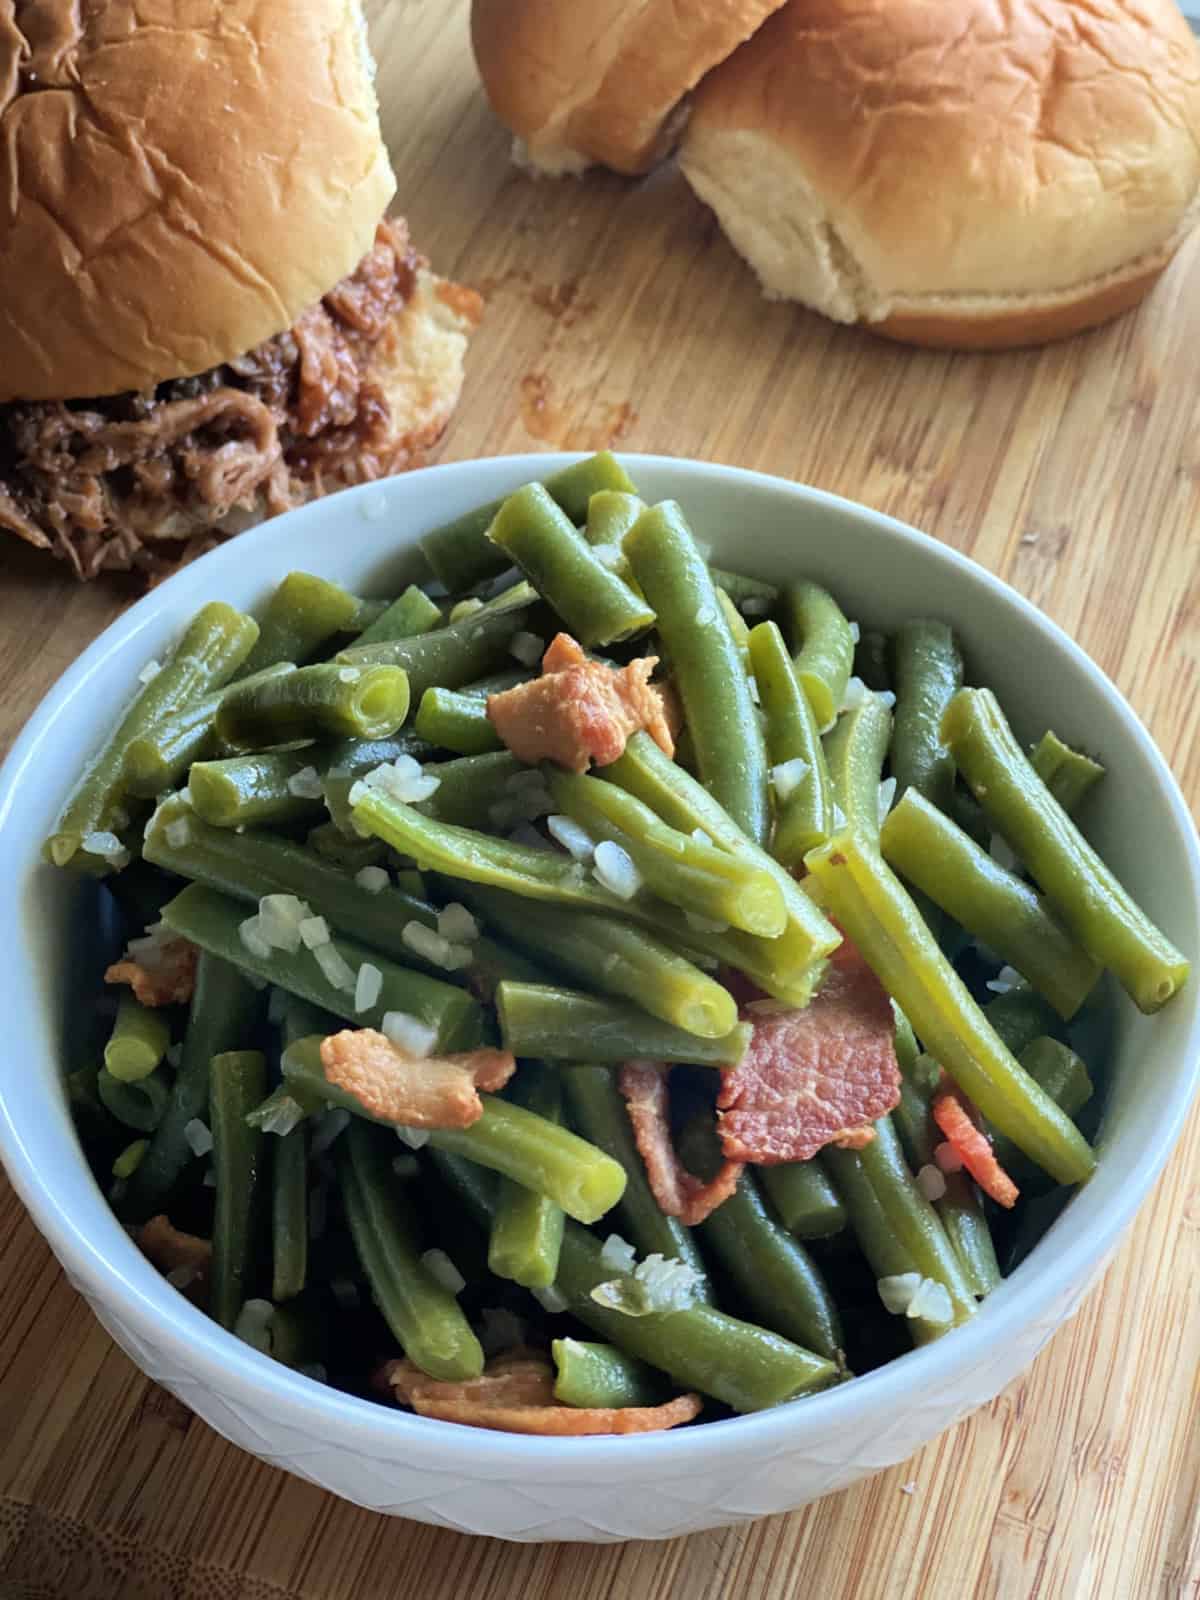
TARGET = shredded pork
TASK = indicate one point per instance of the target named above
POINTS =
(394, 1085)
(679, 1192)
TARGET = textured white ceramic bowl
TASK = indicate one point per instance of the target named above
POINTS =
(591, 1489)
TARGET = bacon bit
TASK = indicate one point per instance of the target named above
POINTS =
(815, 1076)
(169, 982)
(580, 711)
(679, 1192)
(416, 1091)
(974, 1148)
(516, 1395)
(167, 1249)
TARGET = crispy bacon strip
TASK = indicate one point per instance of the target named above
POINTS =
(580, 711)
(167, 981)
(516, 1395)
(419, 1092)
(973, 1147)
(167, 1249)
(817, 1076)
(679, 1192)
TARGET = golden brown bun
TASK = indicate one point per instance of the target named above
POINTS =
(958, 174)
(199, 172)
(602, 80)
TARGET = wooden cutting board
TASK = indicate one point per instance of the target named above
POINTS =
(617, 315)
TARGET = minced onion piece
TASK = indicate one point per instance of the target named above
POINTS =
(183, 1276)
(947, 1157)
(752, 683)
(402, 779)
(786, 777)
(150, 671)
(705, 616)
(443, 1271)
(367, 987)
(457, 924)
(897, 1291)
(551, 1299)
(527, 648)
(1008, 978)
(285, 1115)
(330, 1125)
(613, 867)
(107, 846)
(617, 1254)
(349, 675)
(408, 1033)
(856, 693)
(754, 605)
(931, 1302)
(855, 632)
(931, 1181)
(253, 1325)
(373, 879)
(250, 933)
(887, 793)
(306, 784)
(314, 932)
(576, 841)
(178, 833)
(280, 917)
(199, 1136)
(336, 970)
(431, 947)
(886, 699)
(414, 1138)
(659, 1283)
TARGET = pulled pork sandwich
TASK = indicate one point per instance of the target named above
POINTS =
(203, 318)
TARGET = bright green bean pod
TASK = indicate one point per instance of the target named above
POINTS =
(1065, 1078)
(548, 1023)
(212, 648)
(289, 1212)
(599, 1375)
(777, 1280)
(302, 614)
(138, 1042)
(991, 903)
(1019, 1017)
(222, 1018)
(448, 657)
(237, 1082)
(1067, 773)
(527, 1227)
(159, 760)
(323, 701)
(610, 515)
(858, 888)
(805, 1200)
(598, 1110)
(854, 753)
(596, 605)
(706, 667)
(252, 791)
(822, 646)
(213, 921)
(412, 614)
(425, 1317)
(1103, 916)
(136, 1102)
(928, 674)
(456, 721)
(804, 819)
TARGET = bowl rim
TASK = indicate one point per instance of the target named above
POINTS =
(223, 1364)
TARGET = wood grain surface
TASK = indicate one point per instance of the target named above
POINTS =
(617, 315)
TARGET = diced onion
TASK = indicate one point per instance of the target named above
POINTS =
(855, 632)
(253, 1325)
(886, 699)
(178, 833)
(106, 846)
(442, 1270)
(931, 1181)
(931, 1302)
(550, 1299)
(337, 971)
(367, 987)
(401, 779)
(856, 693)
(183, 1276)
(431, 947)
(887, 793)
(285, 1115)
(150, 671)
(373, 879)
(314, 931)
(705, 616)
(947, 1157)
(755, 605)
(250, 933)
(306, 784)
(753, 686)
(280, 918)
(199, 1136)
(897, 1291)
(786, 777)
(614, 868)
(349, 675)
(455, 922)
(576, 841)
(408, 1033)
(617, 1254)
(610, 555)
(527, 648)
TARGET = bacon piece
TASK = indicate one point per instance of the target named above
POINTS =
(580, 711)
(168, 980)
(815, 1076)
(516, 1395)
(167, 1249)
(679, 1192)
(416, 1091)
(974, 1148)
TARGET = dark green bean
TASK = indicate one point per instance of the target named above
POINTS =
(448, 657)
(237, 1082)
(928, 673)
(741, 588)
(456, 721)
(562, 1025)
(823, 647)
(527, 1227)
(854, 754)
(600, 1375)
(804, 818)
(302, 614)
(470, 787)
(1065, 1079)
(323, 701)
(1019, 1016)
(806, 1201)
(872, 660)
(137, 1103)
(412, 614)
(252, 790)
(1067, 773)
(159, 759)
(289, 1212)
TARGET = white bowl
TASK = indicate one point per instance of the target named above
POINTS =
(591, 1489)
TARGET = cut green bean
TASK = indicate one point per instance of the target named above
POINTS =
(928, 674)
(805, 1200)
(822, 647)
(470, 787)
(324, 701)
(412, 614)
(1019, 1016)
(138, 1042)
(136, 1102)
(456, 721)
(599, 1375)
(854, 755)
(252, 791)
(1067, 773)
(991, 903)
(349, 854)
(159, 759)
(596, 605)
(1065, 1078)
(1103, 916)
(289, 1212)
(423, 1315)
(554, 1024)
(610, 515)
(448, 657)
(527, 1227)
(741, 589)
(302, 614)
(706, 667)
(857, 887)
(872, 660)
(804, 812)
(237, 1082)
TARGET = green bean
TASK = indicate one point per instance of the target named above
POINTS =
(1065, 1079)
(929, 673)
(367, 612)
(596, 605)
(159, 759)
(740, 588)
(412, 614)
(456, 721)
(706, 667)
(872, 660)
(822, 645)
(774, 1275)
(804, 818)
(448, 657)
(302, 614)
(1103, 916)
(613, 957)
(422, 1314)
(136, 1102)
(806, 1201)
(349, 854)
(1019, 1016)
(562, 1025)
(1067, 773)
(991, 903)
(130, 1159)
(237, 1082)
(338, 765)
(610, 515)
(600, 1375)
(599, 1113)
(857, 888)
(289, 1212)
(469, 787)
(324, 701)
(459, 552)
(222, 1018)
(251, 791)
(690, 873)
(521, 594)
(213, 646)
(138, 1041)
(527, 1227)
(213, 921)
(854, 754)
(543, 1156)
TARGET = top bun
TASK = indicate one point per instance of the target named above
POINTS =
(957, 174)
(604, 80)
(178, 181)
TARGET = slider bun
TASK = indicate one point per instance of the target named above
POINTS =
(958, 174)
(583, 81)
(178, 181)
